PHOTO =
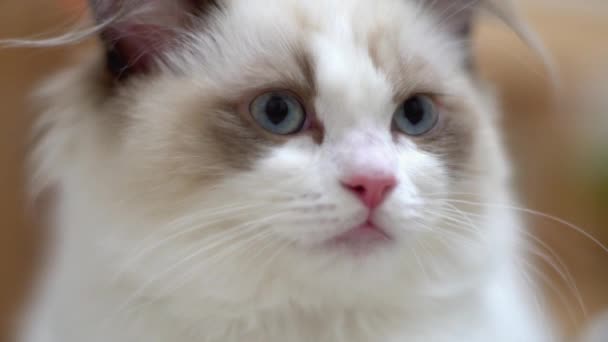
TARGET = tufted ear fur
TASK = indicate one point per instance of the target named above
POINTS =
(137, 31)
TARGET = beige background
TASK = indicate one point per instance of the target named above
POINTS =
(552, 138)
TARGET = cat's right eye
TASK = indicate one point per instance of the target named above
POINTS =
(279, 113)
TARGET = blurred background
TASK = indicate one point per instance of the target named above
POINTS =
(557, 138)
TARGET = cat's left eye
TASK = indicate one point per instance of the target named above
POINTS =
(278, 113)
(416, 116)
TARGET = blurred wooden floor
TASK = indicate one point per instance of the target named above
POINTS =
(545, 138)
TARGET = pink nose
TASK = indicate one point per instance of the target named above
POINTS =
(371, 189)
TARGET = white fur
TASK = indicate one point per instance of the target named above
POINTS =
(142, 254)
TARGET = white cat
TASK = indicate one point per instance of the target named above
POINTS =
(280, 171)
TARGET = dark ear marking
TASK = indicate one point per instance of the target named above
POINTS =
(138, 31)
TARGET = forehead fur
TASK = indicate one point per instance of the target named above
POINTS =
(273, 36)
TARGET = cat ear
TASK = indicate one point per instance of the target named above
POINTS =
(458, 17)
(136, 32)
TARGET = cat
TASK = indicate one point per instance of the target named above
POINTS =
(280, 171)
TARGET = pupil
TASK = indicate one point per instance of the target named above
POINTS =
(414, 111)
(276, 110)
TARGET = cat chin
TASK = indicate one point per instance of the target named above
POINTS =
(308, 282)
(308, 277)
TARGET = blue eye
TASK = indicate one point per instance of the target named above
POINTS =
(278, 113)
(416, 116)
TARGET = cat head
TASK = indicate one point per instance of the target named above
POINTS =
(289, 149)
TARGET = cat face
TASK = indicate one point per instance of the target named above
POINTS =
(303, 146)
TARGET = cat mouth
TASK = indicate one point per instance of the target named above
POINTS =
(362, 237)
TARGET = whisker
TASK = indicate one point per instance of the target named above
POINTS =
(574, 290)
(532, 212)
(552, 287)
(419, 262)
(244, 229)
(534, 289)
(562, 272)
(560, 269)
(222, 256)
(440, 233)
(146, 247)
(458, 223)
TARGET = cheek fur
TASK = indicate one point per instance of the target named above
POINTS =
(421, 175)
(317, 206)
(454, 138)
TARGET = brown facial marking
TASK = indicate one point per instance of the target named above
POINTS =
(236, 136)
(454, 139)
(306, 65)
(236, 142)
(204, 127)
